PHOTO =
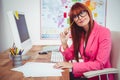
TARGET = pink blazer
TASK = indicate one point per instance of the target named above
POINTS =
(98, 50)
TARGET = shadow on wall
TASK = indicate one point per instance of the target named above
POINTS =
(1, 24)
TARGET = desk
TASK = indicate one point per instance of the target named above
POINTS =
(6, 65)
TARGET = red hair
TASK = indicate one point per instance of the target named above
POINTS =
(76, 31)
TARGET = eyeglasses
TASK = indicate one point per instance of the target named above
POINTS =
(82, 14)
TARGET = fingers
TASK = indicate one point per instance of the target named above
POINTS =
(64, 36)
(65, 32)
(63, 65)
(57, 65)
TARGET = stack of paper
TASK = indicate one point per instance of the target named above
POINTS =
(36, 69)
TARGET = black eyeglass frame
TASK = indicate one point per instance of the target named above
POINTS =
(81, 14)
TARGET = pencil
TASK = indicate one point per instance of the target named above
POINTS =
(70, 25)
(66, 32)
(11, 51)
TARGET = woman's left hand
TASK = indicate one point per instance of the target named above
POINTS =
(63, 65)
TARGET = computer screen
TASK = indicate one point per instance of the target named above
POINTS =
(22, 27)
(20, 30)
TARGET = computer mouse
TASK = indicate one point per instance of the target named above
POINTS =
(42, 52)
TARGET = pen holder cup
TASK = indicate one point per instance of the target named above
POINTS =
(17, 60)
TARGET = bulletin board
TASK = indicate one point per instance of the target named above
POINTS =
(54, 15)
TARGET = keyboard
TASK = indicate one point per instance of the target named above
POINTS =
(51, 48)
(57, 57)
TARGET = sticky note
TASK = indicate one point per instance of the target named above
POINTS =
(16, 15)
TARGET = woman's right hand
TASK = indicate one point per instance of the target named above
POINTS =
(64, 37)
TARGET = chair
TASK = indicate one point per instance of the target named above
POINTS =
(115, 60)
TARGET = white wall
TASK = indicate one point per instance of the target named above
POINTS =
(5, 35)
(32, 9)
(113, 12)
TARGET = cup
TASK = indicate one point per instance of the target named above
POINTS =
(17, 60)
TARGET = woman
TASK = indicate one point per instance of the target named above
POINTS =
(90, 41)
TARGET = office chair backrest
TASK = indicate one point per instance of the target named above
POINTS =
(115, 52)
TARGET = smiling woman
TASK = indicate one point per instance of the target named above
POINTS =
(91, 42)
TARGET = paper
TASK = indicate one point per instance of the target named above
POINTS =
(36, 69)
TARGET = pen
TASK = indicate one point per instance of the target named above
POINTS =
(71, 24)
(16, 50)
(13, 45)
(21, 51)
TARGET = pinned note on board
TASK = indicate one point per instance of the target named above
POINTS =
(16, 15)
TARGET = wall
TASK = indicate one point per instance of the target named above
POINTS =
(113, 12)
(5, 35)
(32, 9)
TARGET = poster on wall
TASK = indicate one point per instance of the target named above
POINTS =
(54, 15)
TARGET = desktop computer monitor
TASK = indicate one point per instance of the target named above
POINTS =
(20, 31)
